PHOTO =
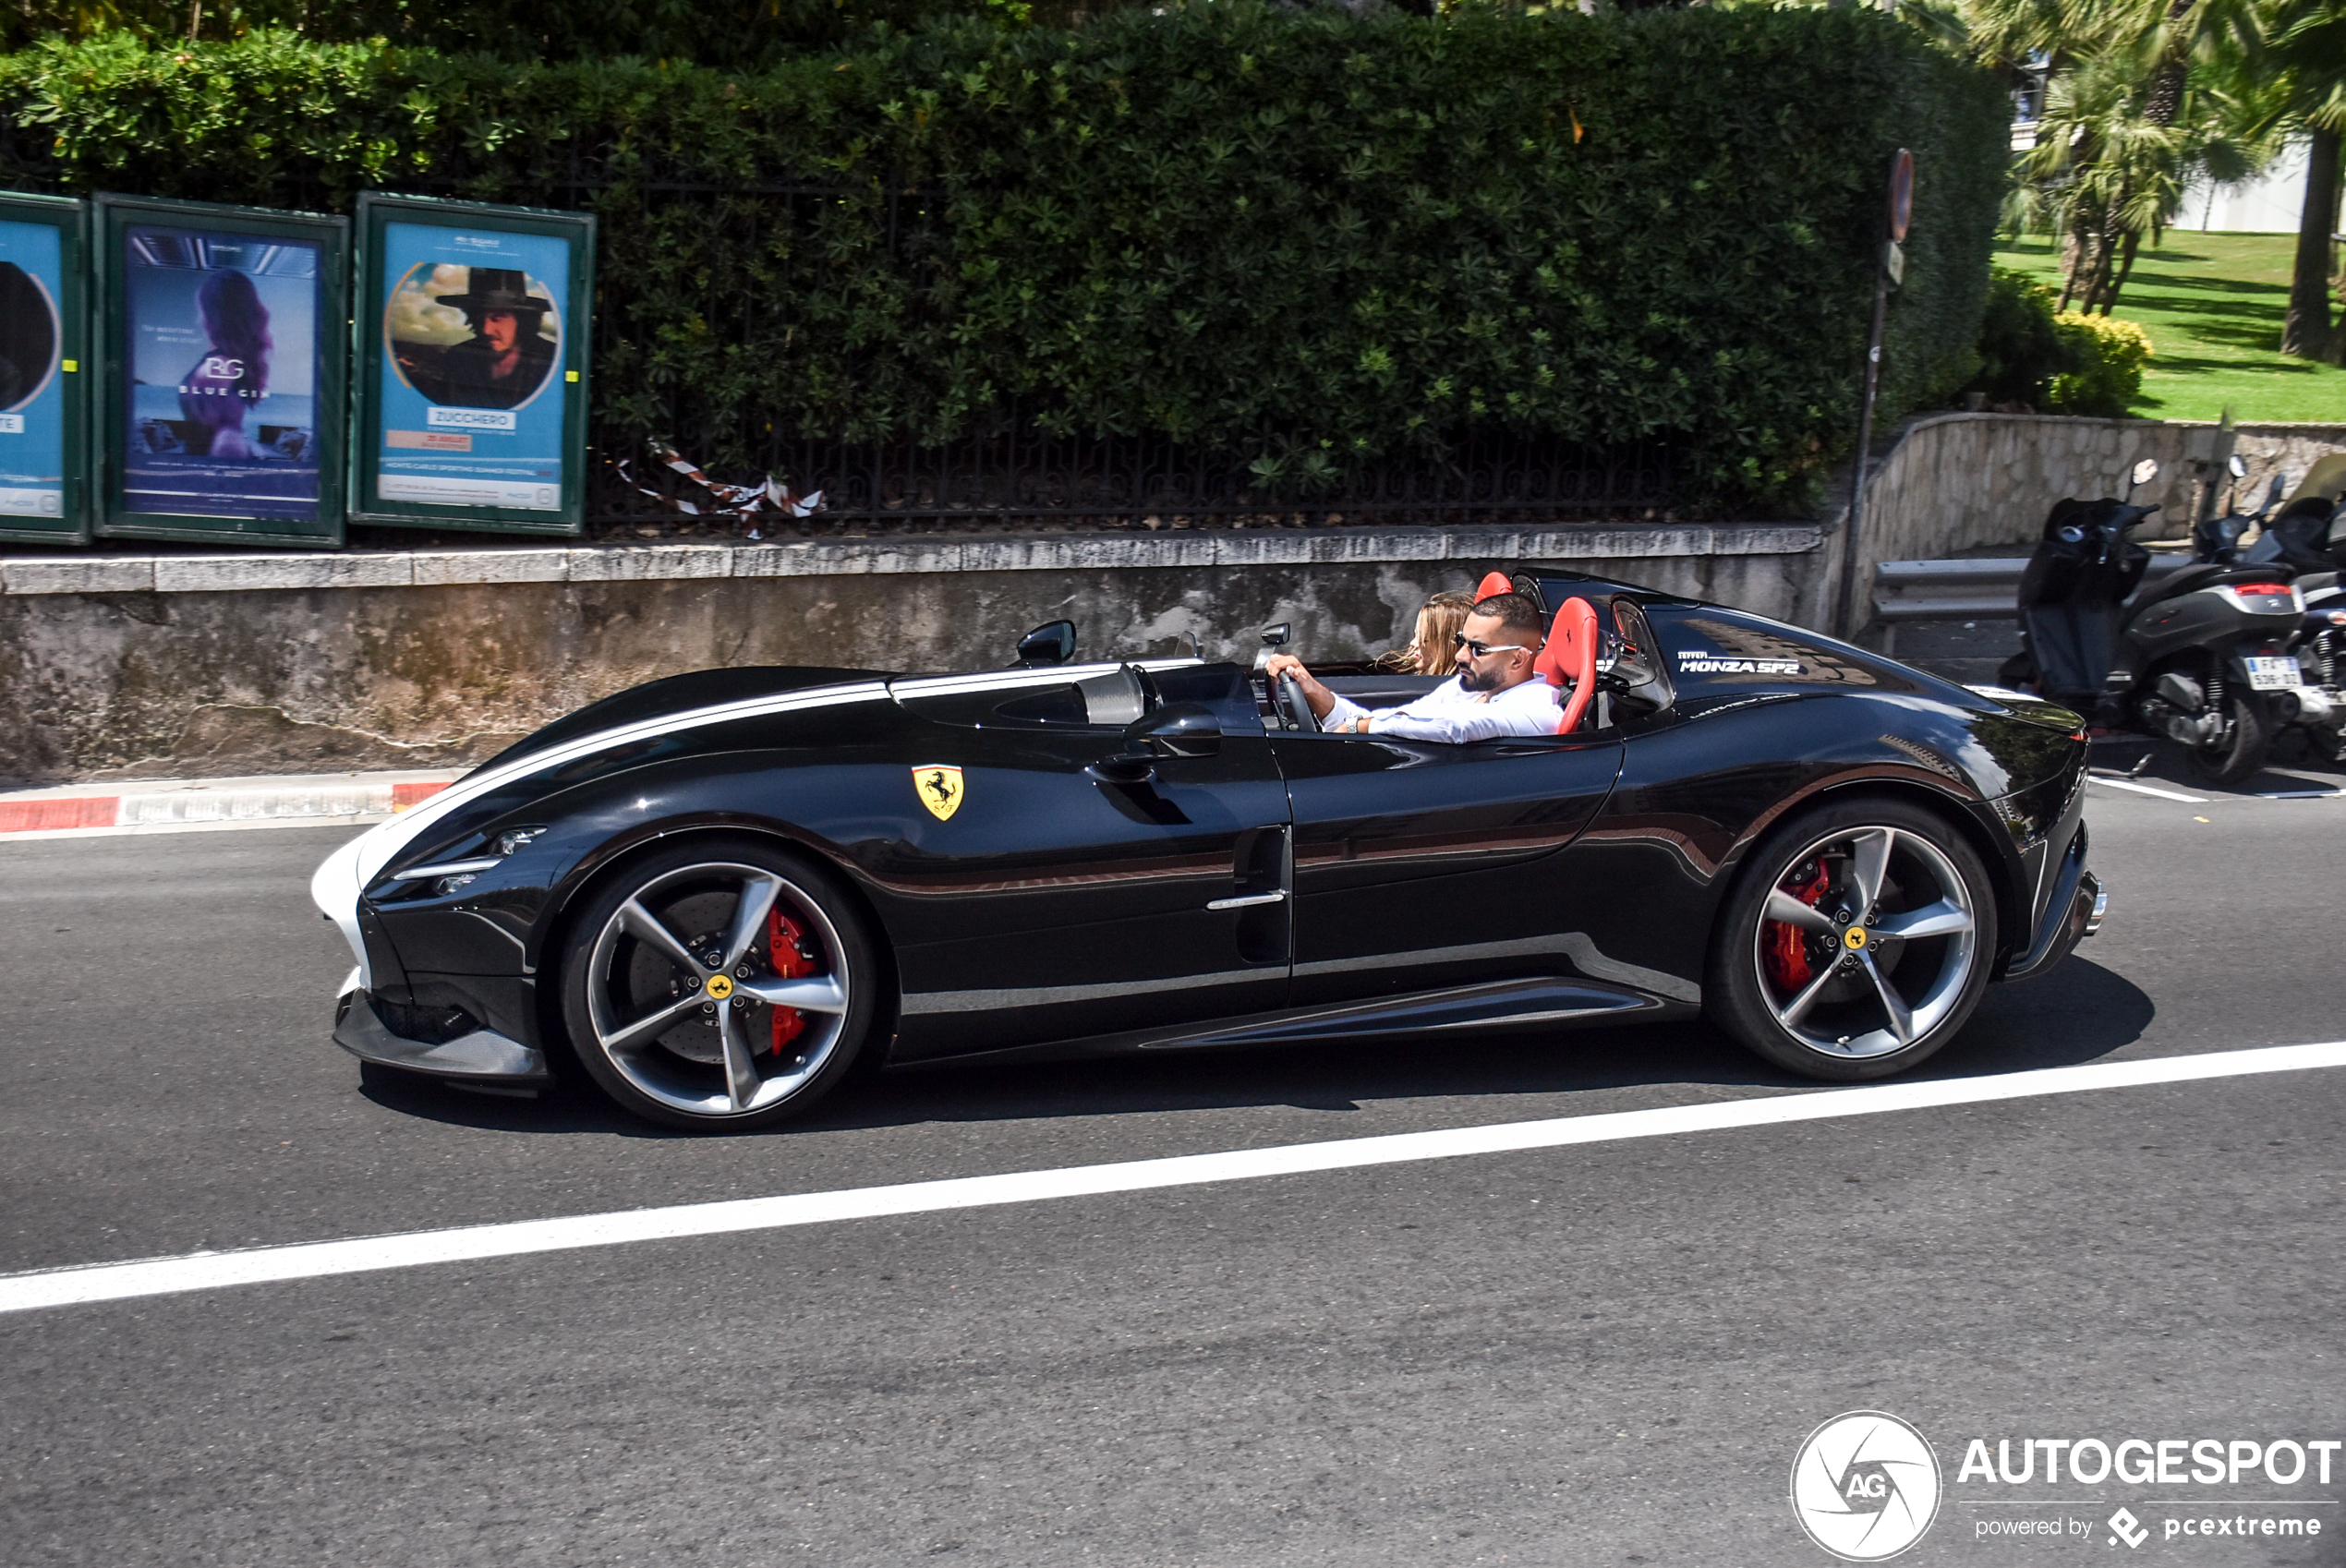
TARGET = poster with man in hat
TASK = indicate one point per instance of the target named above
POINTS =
(474, 399)
(509, 346)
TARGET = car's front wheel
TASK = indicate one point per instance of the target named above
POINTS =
(718, 985)
(1857, 941)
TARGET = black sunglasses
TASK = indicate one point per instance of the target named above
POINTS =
(1479, 649)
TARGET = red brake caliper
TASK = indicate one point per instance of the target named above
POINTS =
(782, 937)
(1784, 948)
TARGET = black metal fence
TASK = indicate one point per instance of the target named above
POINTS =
(1139, 483)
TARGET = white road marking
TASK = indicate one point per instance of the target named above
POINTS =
(2147, 790)
(212, 1271)
(2297, 794)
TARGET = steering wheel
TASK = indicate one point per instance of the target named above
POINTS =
(1299, 712)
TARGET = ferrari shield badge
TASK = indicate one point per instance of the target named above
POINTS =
(939, 788)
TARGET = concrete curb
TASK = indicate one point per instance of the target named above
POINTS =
(204, 802)
(872, 557)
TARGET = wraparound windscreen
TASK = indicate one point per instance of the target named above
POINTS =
(470, 357)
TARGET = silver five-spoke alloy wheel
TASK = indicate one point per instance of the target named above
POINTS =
(1859, 942)
(722, 987)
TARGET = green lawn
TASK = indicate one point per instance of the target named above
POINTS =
(2212, 304)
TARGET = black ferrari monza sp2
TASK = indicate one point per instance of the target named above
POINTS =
(717, 892)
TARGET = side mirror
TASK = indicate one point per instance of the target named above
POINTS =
(1178, 730)
(1275, 636)
(1051, 642)
(2145, 471)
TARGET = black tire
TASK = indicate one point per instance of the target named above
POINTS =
(634, 1004)
(1762, 968)
(2246, 741)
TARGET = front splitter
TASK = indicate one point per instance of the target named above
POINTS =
(481, 1058)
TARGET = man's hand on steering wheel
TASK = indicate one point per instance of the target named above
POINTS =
(1320, 699)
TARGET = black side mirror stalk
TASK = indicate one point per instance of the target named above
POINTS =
(1178, 729)
(1128, 767)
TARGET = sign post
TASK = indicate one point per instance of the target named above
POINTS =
(221, 402)
(1889, 273)
(472, 341)
(45, 352)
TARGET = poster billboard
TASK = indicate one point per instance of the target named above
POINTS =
(472, 349)
(225, 390)
(43, 435)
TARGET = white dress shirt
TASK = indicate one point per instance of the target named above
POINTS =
(1451, 713)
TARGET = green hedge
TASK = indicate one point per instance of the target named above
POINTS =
(731, 34)
(1303, 236)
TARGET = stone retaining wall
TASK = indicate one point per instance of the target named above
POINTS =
(1965, 481)
(188, 666)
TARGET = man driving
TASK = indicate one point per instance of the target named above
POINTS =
(1494, 693)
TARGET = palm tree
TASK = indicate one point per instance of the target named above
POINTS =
(2100, 173)
(2308, 47)
(2131, 112)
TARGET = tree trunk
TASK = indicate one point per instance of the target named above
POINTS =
(2097, 279)
(2125, 270)
(2306, 331)
(2165, 100)
(2084, 260)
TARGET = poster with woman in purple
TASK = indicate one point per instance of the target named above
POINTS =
(224, 371)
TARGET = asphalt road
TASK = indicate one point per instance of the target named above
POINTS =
(1606, 1353)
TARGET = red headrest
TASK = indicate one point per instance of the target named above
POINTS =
(1493, 583)
(1570, 656)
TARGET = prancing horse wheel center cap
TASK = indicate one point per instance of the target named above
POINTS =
(1853, 939)
(721, 986)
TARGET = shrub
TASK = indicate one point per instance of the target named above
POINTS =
(2110, 355)
(1252, 231)
(2020, 347)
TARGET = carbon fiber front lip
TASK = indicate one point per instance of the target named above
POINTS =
(483, 1053)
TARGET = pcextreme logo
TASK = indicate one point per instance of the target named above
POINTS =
(1865, 1486)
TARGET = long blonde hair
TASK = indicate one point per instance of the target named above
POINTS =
(1432, 650)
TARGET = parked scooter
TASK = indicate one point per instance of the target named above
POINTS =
(2190, 658)
(2217, 539)
(2307, 537)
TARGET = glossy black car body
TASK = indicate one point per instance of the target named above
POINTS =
(1278, 885)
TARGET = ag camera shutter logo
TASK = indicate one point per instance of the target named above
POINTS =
(1865, 1486)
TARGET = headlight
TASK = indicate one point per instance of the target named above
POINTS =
(447, 877)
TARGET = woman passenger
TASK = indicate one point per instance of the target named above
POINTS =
(1433, 648)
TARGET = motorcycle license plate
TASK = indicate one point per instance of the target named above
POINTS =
(2268, 674)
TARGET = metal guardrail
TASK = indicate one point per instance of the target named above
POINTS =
(1984, 589)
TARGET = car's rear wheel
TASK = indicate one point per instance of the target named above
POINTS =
(718, 985)
(1857, 941)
